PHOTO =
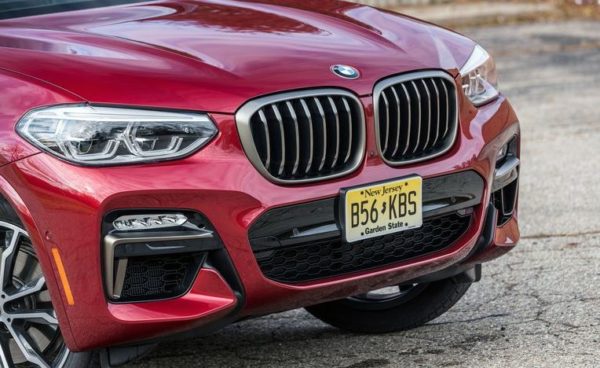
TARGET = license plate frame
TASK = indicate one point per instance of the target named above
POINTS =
(368, 192)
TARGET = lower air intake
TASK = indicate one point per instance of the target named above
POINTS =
(332, 257)
(159, 277)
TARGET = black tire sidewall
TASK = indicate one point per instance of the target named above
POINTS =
(82, 360)
(437, 298)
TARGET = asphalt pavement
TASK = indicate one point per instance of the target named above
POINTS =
(539, 306)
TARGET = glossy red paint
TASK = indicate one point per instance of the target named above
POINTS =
(213, 56)
(209, 299)
(59, 194)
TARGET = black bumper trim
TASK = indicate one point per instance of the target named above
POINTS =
(315, 221)
(284, 239)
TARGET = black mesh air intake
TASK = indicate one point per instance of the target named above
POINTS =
(159, 277)
(332, 257)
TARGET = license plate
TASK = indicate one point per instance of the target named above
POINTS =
(384, 208)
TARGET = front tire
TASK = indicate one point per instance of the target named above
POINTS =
(392, 309)
(29, 331)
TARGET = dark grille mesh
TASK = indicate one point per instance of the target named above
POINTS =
(334, 257)
(159, 277)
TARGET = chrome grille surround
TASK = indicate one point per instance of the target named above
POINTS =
(294, 115)
(398, 90)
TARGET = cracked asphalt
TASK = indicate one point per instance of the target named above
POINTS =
(538, 306)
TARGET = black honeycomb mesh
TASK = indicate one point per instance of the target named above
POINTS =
(159, 277)
(334, 257)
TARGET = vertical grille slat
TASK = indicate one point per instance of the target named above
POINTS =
(303, 136)
(438, 124)
(323, 132)
(416, 116)
(336, 136)
(267, 146)
(350, 130)
(427, 112)
(282, 141)
(311, 142)
(296, 136)
(386, 128)
(446, 94)
(398, 121)
(417, 122)
(409, 119)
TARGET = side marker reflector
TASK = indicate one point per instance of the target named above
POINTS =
(63, 276)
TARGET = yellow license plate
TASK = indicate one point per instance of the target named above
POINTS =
(383, 208)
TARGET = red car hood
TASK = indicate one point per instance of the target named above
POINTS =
(215, 55)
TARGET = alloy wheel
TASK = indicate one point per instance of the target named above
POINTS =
(29, 331)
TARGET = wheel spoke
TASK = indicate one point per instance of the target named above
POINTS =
(9, 255)
(28, 289)
(5, 357)
(38, 316)
(27, 316)
(27, 348)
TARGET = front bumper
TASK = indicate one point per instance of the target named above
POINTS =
(63, 207)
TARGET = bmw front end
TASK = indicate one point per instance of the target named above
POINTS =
(168, 168)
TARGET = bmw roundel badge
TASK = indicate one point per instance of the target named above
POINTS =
(345, 71)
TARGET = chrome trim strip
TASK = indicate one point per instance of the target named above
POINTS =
(245, 113)
(411, 77)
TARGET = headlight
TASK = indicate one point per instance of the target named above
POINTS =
(479, 78)
(149, 222)
(98, 136)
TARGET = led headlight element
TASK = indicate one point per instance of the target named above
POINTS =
(110, 136)
(149, 222)
(479, 77)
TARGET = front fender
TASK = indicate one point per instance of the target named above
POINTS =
(43, 251)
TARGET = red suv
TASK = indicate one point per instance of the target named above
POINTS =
(171, 167)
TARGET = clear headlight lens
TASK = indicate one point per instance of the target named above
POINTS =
(92, 135)
(479, 77)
